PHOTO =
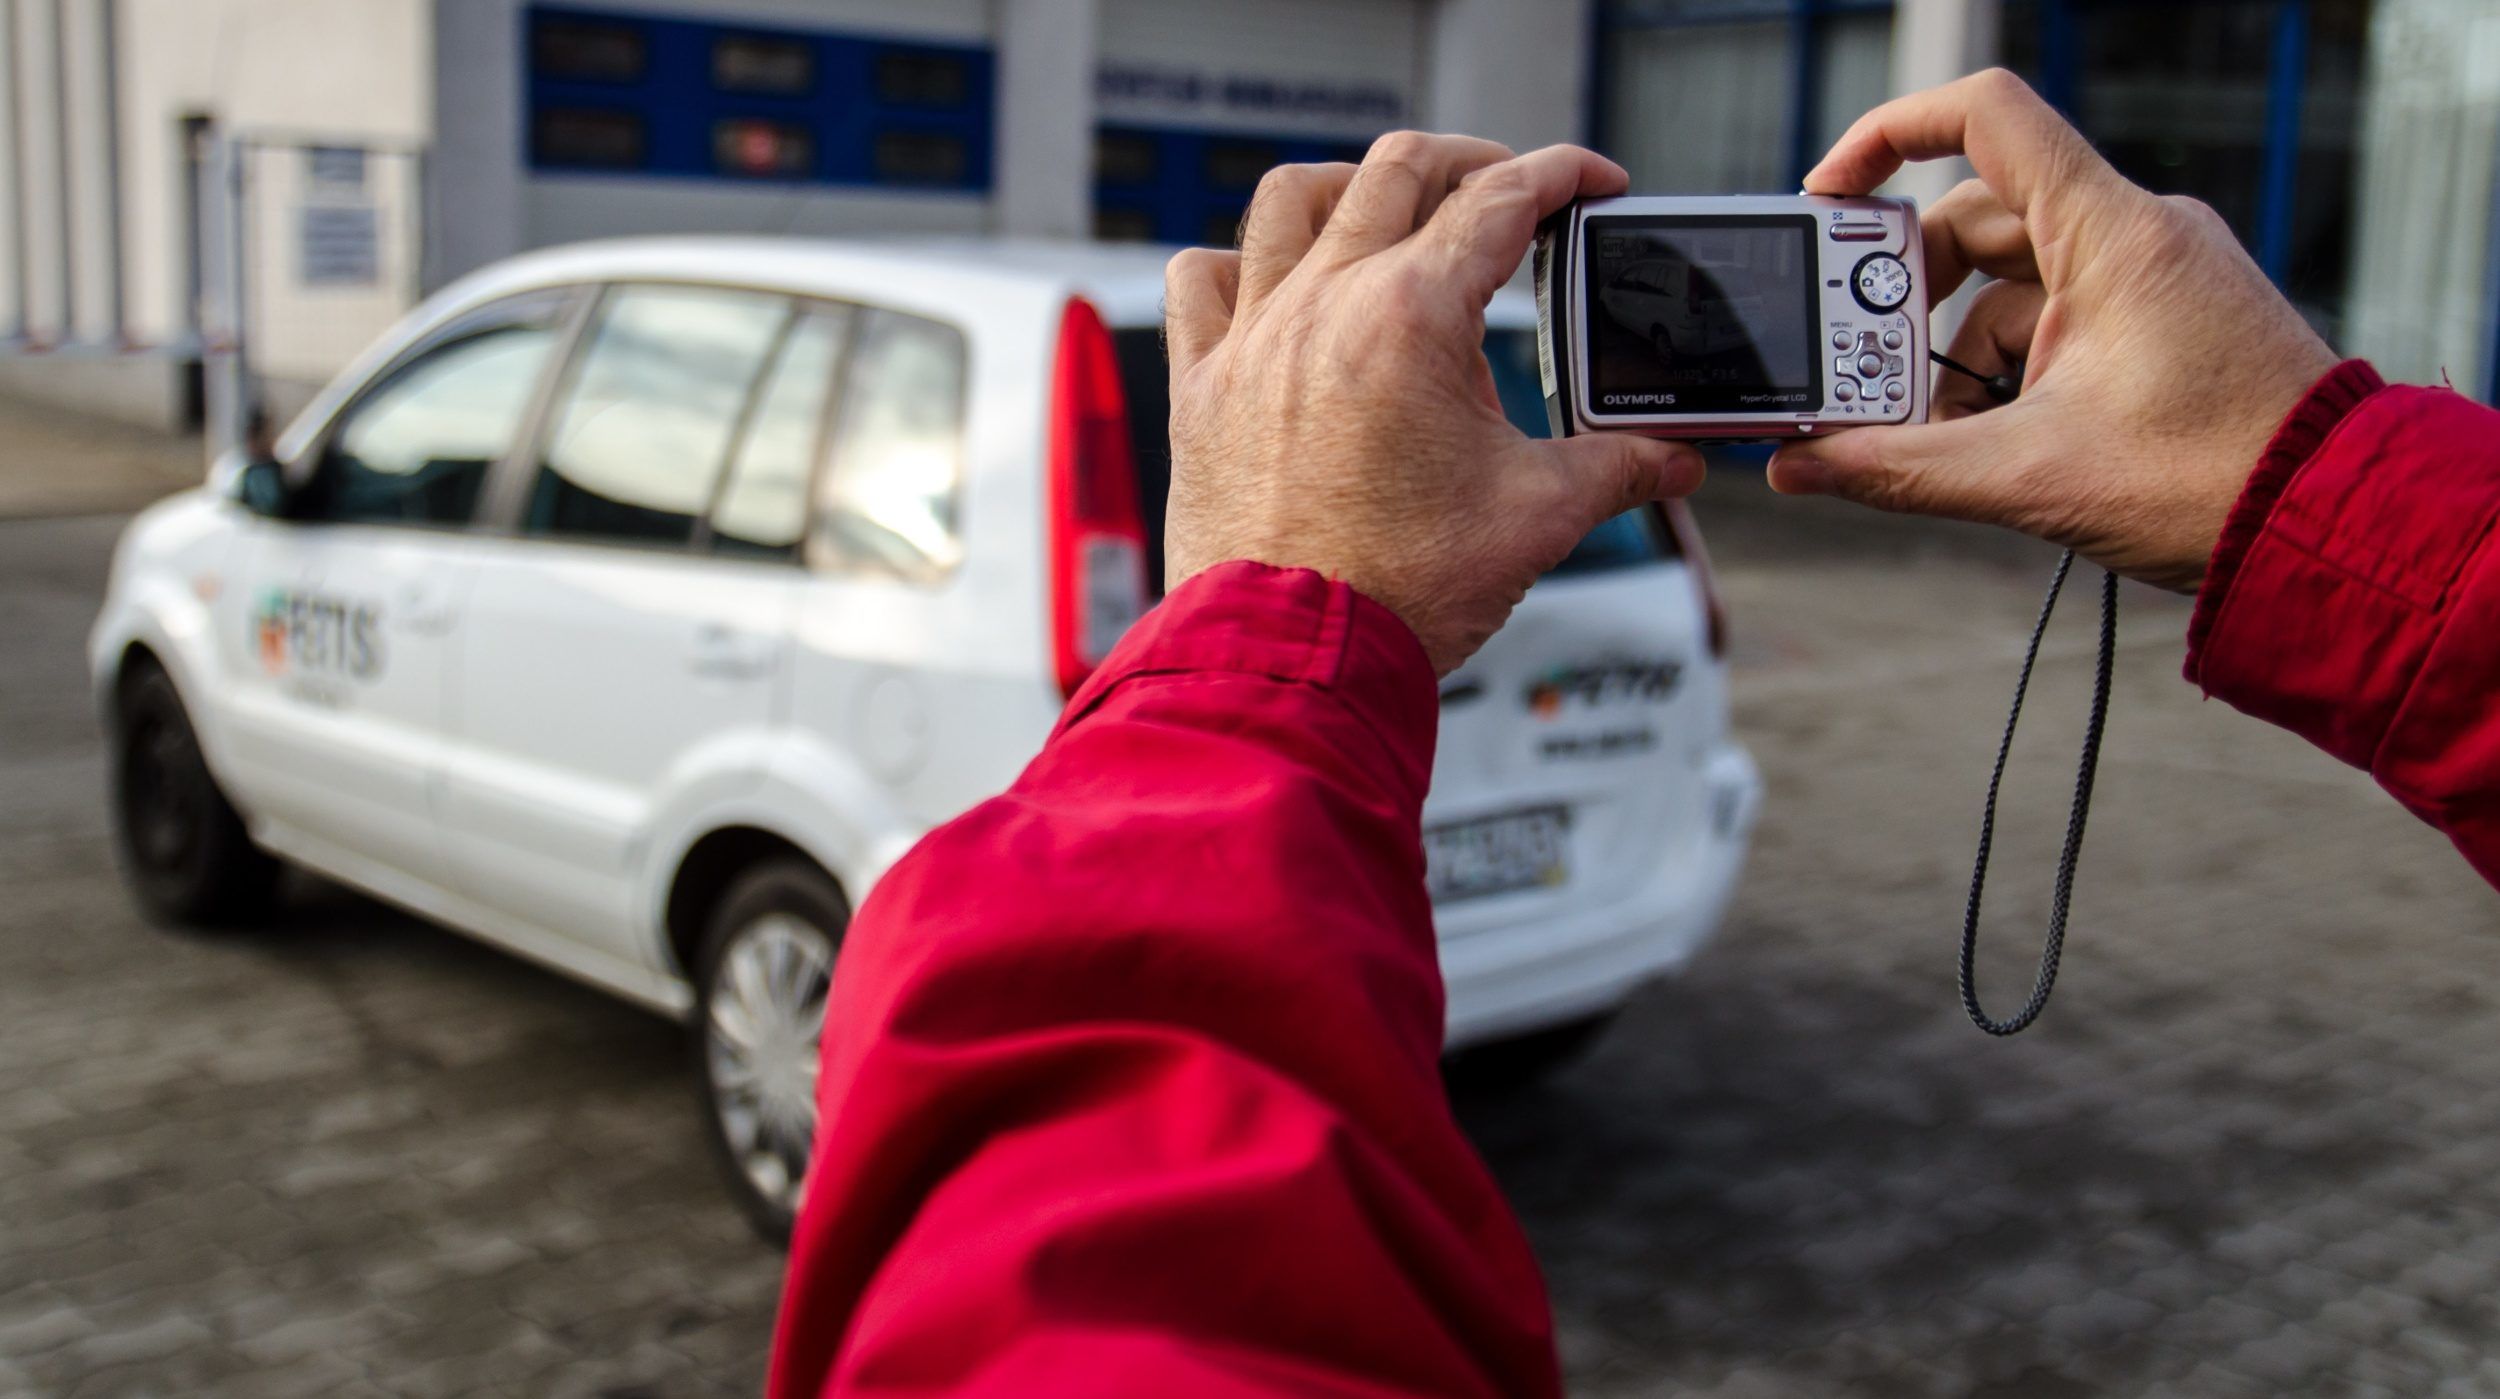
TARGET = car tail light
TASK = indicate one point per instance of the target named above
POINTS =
(1097, 545)
(1678, 518)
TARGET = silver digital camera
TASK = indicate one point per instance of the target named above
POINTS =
(1731, 319)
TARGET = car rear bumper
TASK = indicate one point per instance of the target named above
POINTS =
(1538, 973)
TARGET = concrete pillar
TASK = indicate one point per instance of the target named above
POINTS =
(42, 187)
(1934, 42)
(12, 178)
(95, 300)
(474, 210)
(1514, 73)
(1046, 62)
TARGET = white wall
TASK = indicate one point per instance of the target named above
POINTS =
(334, 70)
(12, 168)
(1045, 161)
(1346, 45)
(87, 100)
(42, 170)
(1514, 71)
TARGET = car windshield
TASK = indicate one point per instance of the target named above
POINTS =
(1627, 540)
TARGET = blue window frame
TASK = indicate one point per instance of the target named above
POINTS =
(1176, 185)
(632, 94)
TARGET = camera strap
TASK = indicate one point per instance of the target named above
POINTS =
(2003, 388)
(2062, 891)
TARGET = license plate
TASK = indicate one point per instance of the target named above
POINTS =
(1496, 854)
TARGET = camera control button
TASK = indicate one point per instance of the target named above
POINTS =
(1881, 283)
(1845, 390)
(1892, 340)
(1841, 339)
(1844, 366)
(1895, 391)
(1870, 364)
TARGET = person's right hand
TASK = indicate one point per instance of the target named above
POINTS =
(2156, 359)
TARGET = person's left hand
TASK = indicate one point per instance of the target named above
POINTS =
(1331, 404)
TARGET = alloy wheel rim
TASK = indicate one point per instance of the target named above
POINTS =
(762, 1029)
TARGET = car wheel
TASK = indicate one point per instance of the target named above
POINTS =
(1524, 1061)
(761, 984)
(183, 847)
(1662, 342)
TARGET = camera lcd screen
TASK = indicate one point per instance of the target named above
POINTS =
(1702, 314)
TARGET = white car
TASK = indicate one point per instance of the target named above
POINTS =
(633, 606)
(1684, 311)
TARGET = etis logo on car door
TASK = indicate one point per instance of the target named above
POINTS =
(1595, 691)
(311, 637)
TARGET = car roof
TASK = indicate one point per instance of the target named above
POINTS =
(1123, 280)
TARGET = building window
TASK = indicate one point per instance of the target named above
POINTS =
(1170, 185)
(588, 51)
(759, 64)
(908, 79)
(1734, 96)
(761, 149)
(568, 137)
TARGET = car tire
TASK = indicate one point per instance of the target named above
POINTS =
(1526, 1061)
(1662, 343)
(761, 980)
(184, 850)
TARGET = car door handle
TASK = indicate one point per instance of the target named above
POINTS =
(425, 608)
(730, 653)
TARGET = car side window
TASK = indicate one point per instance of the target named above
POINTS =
(416, 447)
(891, 495)
(642, 431)
(762, 509)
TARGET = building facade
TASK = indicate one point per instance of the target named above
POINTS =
(177, 173)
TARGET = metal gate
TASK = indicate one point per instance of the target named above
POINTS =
(309, 248)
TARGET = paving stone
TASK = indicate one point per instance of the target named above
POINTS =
(2258, 1133)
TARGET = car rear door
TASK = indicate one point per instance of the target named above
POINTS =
(1566, 766)
(628, 630)
(338, 624)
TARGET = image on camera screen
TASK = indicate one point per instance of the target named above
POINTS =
(1702, 315)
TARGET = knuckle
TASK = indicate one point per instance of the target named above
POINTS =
(1501, 183)
(2002, 85)
(1399, 148)
(2195, 211)
(1286, 181)
(1189, 270)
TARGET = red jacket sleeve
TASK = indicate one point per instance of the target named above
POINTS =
(2355, 596)
(1131, 1080)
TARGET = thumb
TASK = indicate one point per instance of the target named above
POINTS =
(1607, 473)
(1964, 469)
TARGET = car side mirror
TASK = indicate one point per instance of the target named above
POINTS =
(262, 488)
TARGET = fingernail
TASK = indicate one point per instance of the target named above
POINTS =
(1798, 475)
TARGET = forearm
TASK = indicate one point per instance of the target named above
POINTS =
(1132, 1072)
(2355, 596)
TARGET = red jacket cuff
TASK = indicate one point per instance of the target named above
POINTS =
(2343, 562)
(1291, 626)
(2303, 430)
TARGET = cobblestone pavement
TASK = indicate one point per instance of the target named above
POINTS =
(2253, 1149)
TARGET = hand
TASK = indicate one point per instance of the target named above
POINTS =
(2156, 359)
(1331, 404)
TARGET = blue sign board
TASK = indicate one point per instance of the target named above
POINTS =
(632, 94)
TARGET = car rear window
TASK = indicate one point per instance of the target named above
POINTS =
(1629, 539)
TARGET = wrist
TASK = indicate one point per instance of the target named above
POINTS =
(2312, 417)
